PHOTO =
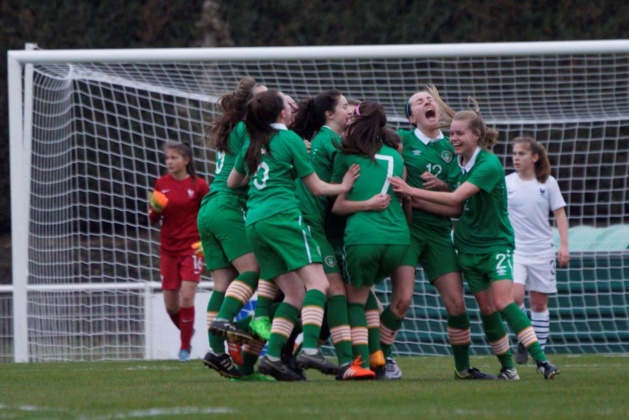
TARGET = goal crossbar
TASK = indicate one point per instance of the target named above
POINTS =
(319, 52)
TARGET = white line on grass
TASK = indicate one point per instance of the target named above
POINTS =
(26, 408)
(158, 412)
(144, 367)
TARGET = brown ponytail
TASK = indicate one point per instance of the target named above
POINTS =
(542, 166)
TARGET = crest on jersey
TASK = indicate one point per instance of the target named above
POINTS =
(330, 261)
(446, 155)
(542, 191)
(190, 193)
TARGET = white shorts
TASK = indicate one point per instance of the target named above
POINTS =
(538, 275)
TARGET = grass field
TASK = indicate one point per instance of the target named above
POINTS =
(589, 386)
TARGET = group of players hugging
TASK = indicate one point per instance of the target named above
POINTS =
(314, 203)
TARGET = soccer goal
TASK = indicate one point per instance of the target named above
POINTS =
(86, 128)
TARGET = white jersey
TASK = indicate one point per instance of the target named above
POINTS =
(530, 203)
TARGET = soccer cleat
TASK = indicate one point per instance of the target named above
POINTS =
(508, 374)
(547, 369)
(261, 327)
(279, 370)
(377, 360)
(354, 371)
(222, 364)
(316, 361)
(392, 370)
(235, 352)
(230, 331)
(472, 373)
(299, 371)
(184, 355)
(254, 377)
(521, 355)
(289, 360)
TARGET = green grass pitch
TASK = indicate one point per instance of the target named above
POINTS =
(589, 386)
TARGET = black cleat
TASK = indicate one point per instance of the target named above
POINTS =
(298, 371)
(279, 370)
(222, 364)
(230, 331)
(316, 361)
(472, 373)
(521, 355)
(547, 369)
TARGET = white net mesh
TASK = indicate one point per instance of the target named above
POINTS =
(97, 130)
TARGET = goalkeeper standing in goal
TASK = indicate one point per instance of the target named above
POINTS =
(175, 201)
(483, 236)
(532, 194)
(228, 255)
(431, 164)
(280, 240)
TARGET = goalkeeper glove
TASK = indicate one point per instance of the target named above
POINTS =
(158, 201)
(198, 249)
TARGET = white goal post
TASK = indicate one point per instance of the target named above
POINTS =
(86, 128)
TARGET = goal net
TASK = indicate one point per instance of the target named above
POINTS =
(86, 134)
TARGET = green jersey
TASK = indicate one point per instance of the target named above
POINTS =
(322, 153)
(484, 226)
(387, 227)
(436, 156)
(225, 162)
(272, 187)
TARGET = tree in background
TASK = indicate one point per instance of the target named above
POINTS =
(102, 24)
(364, 22)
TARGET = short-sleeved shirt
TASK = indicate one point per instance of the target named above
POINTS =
(530, 203)
(387, 227)
(225, 163)
(422, 154)
(272, 186)
(484, 226)
(322, 152)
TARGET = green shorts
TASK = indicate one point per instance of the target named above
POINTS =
(480, 270)
(328, 256)
(366, 265)
(433, 250)
(221, 224)
(282, 243)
